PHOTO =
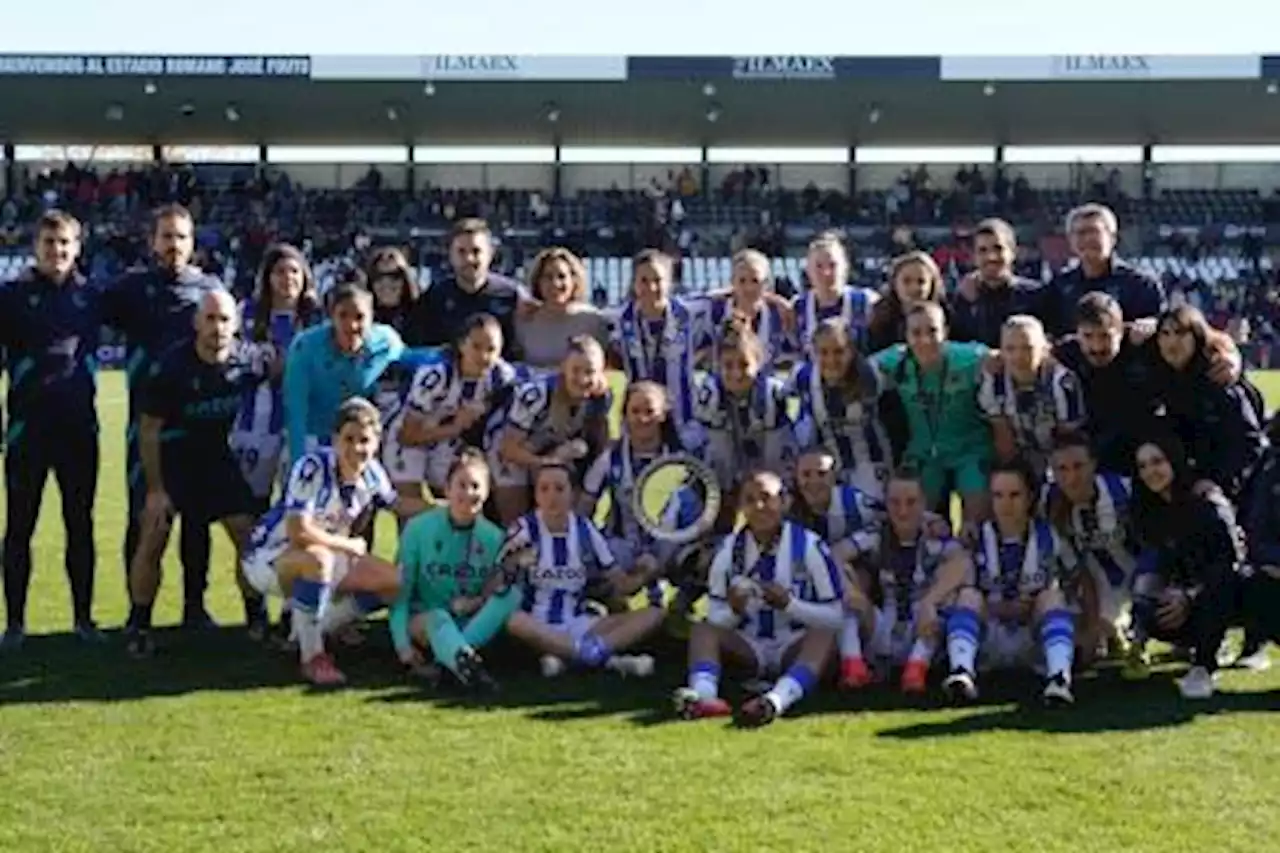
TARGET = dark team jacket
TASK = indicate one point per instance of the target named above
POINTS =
(51, 332)
(1199, 544)
(1263, 522)
(155, 308)
(198, 401)
(444, 307)
(1119, 412)
(1220, 426)
(1139, 295)
(981, 319)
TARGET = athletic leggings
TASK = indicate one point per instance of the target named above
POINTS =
(70, 451)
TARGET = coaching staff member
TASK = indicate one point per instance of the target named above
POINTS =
(472, 289)
(1092, 231)
(993, 292)
(155, 307)
(49, 322)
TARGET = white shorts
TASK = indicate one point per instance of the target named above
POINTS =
(770, 654)
(1008, 646)
(866, 478)
(259, 566)
(261, 459)
(1112, 599)
(576, 627)
(892, 640)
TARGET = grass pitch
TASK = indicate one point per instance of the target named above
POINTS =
(214, 746)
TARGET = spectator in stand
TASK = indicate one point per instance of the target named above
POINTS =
(472, 289)
(993, 293)
(559, 283)
(1092, 230)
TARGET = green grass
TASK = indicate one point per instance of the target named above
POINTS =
(214, 746)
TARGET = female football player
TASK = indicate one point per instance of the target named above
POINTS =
(775, 606)
(1219, 425)
(1185, 590)
(840, 401)
(304, 547)
(447, 556)
(284, 302)
(741, 416)
(832, 297)
(1019, 562)
(830, 509)
(561, 418)
(913, 570)
(558, 281)
(1029, 398)
(914, 279)
(938, 381)
(572, 557)
(1092, 511)
(446, 408)
(647, 434)
(769, 318)
(656, 336)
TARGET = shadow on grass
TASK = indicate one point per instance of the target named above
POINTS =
(54, 668)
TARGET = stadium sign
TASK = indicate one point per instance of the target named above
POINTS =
(508, 66)
(1100, 67)
(784, 67)
(50, 65)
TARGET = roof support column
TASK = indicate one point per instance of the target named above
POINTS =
(410, 173)
(853, 171)
(157, 154)
(704, 171)
(10, 170)
(1148, 173)
(557, 172)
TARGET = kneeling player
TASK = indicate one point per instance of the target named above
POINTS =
(446, 556)
(915, 571)
(1019, 562)
(775, 598)
(304, 547)
(572, 556)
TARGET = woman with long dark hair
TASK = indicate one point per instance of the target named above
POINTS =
(1186, 583)
(914, 279)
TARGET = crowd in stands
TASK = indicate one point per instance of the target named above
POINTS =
(1209, 246)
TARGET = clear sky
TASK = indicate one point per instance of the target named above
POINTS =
(681, 27)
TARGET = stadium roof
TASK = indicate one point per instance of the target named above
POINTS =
(775, 101)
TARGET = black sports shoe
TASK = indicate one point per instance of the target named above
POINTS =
(756, 712)
(471, 672)
(960, 686)
(140, 644)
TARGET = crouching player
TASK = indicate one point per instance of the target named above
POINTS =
(1019, 562)
(305, 548)
(572, 565)
(914, 570)
(775, 601)
(446, 556)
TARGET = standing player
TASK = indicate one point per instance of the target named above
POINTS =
(571, 556)
(338, 359)
(1019, 563)
(562, 418)
(775, 603)
(49, 322)
(656, 336)
(913, 572)
(1030, 398)
(188, 404)
(155, 307)
(284, 303)
(938, 381)
(841, 395)
(750, 305)
(447, 554)
(446, 407)
(305, 547)
(831, 296)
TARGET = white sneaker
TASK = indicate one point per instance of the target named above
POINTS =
(961, 686)
(1259, 661)
(1057, 691)
(551, 666)
(1196, 684)
(636, 666)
